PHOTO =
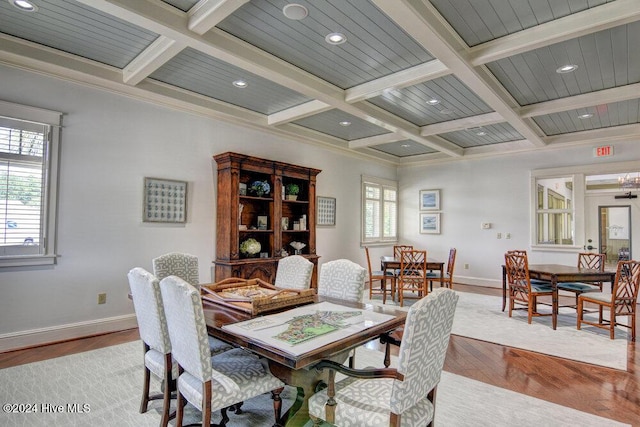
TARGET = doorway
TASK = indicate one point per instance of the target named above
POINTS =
(614, 231)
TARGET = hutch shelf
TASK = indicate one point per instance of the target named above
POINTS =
(252, 205)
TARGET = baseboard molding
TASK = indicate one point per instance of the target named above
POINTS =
(477, 281)
(35, 337)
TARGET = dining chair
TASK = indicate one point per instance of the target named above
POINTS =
(412, 276)
(620, 302)
(178, 264)
(397, 250)
(342, 279)
(586, 260)
(210, 383)
(405, 395)
(383, 277)
(522, 291)
(152, 327)
(447, 277)
(294, 272)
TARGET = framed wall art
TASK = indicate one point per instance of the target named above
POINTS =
(429, 200)
(165, 200)
(326, 214)
(430, 223)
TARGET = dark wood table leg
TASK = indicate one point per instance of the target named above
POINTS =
(554, 301)
(504, 287)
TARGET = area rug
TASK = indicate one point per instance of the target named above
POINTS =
(102, 388)
(481, 317)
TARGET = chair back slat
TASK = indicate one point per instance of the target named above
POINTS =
(451, 262)
(517, 266)
(625, 287)
(397, 250)
(591, 261)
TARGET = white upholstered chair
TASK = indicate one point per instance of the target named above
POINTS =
(388, 396)
(342, 279)
(210, 383)
(294, 272)
(185, 266)
(152, 326)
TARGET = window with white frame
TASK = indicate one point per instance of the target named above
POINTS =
(379, 210)
(554, 211)
(28, 177)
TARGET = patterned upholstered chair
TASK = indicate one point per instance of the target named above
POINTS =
(152, 326)
(185, 266)
(622, 301)
(210, 383)
(342, 279)
(387, 396)
(447, 279)
(294, 272)
(590, 261)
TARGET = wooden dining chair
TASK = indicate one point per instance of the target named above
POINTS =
(397, 250)
(522, 292)
(383, 277)
(586, 260)
(621, 302)
(413, 275)
(447, 276)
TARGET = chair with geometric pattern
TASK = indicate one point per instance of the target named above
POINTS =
(210, 383)
(447, 278)
(622, 301)
(586, 260)
(394, 396)
(383, 277)
(342, 279)
(185, 266)
(522, 291)
(294, 272)
(397, 250)
(412, 275)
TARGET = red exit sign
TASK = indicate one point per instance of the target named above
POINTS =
(603, 151)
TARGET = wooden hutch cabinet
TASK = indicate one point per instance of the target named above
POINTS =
(267, 217)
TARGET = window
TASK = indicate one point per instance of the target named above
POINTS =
(28, 173)
(554, 213)
(379, 210)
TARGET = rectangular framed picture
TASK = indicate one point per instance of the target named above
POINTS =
(326, 211)
(262, 222)
(429, 200)
(165, 200)
(430, 223)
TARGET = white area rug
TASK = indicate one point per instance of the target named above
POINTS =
(480, 317)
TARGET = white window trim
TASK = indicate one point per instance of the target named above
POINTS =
(384, 183)
(579, 193)
(50, 199)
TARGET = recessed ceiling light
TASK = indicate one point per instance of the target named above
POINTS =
(24, 5)
(405, 145)
(567, 68)
(585, 116)
(240, 83)
(433, 101)
(295, 11)
(478, 130)
(335, 38)
(446, 111)
(481, 133)
(345, 123)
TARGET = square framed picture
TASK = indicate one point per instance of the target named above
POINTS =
(429, 200)
(430, 223)
(326, 211)
(165, 200)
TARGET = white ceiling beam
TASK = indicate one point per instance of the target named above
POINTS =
(461, 124)
(605, 96)
(423, 22)
(206, 14)
(298, 112)
(589, 21)
(376, 140)
(152, 58)
(411, 76)
(610, 134)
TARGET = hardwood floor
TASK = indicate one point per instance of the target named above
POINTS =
(600, 391)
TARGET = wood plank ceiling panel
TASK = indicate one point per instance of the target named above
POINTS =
(375, 46)
(405, 148)
(203, 74)
(328, 122)
(493, 134)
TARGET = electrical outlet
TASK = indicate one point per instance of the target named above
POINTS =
(499, 236)
(466, 266)
(507, 236)
(102, 298)
(485, 225)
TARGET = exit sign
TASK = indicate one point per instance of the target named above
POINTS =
(603, 151)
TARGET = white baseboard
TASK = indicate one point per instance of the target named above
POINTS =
(477, 281)
(34, 337)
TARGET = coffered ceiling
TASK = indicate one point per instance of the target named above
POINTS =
(414, 81)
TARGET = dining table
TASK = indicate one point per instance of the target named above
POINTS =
(557, 273)
(296, 368)
(391, 263)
